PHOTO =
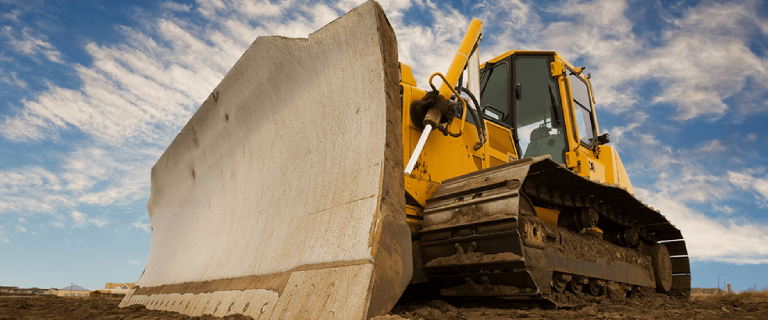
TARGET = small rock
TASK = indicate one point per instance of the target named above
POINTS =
(588, 311)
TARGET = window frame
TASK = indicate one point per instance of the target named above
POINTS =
(575, 105)
(509, 113)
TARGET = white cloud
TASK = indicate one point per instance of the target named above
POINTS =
(58, 224)
(3, 235)
(20, 229)
(142, 225)
(134, 262)
(707, 59)
(30, 189)
(30, 45)
(730, 240)
(750, 137)
(82, 220)
(746, 181)
(646, 138)
(21, 219)
(12, 15)
(11, 79)
(712, 146)
(98, 222)
(79, 218)
(724, 209)
(176, 6)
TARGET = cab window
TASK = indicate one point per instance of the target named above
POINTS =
(494, 93)
(582, 105)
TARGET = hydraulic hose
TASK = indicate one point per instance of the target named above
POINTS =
(481, 130)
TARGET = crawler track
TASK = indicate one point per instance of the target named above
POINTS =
(482, 238)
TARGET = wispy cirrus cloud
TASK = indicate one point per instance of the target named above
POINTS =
(142, 224)
(173, 6)
(11, 79)
(31, 45)
(754, 181)
(3, 235)
(81, 220)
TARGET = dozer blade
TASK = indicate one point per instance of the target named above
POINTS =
(283, 196)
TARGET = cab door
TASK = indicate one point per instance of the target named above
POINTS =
(584, 157)
(537, 116)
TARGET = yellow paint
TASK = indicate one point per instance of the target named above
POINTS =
(414, 224)
(421, 190)
(406, 74)
(461, 57)
(548, 216)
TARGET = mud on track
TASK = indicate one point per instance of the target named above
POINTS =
(641, 306)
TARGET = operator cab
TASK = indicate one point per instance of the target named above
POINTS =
(518, 91)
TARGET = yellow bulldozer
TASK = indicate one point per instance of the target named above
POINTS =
(318, 181)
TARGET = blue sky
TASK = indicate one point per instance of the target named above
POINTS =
(92, 92)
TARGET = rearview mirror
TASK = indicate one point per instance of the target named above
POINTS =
(603, 138)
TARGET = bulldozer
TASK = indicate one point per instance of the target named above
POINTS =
(319, 181)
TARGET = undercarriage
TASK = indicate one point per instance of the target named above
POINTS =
(482, 237)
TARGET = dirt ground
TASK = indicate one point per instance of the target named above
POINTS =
(644, 305)
(641, 306)
(72, 308)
